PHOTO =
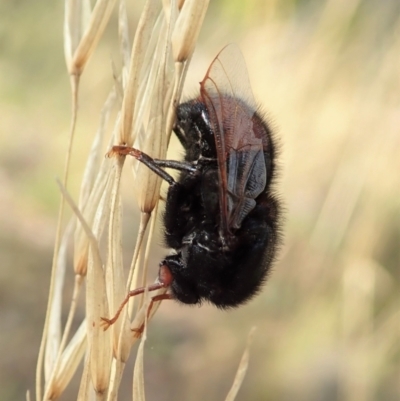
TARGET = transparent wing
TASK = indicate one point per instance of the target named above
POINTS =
(226, 92)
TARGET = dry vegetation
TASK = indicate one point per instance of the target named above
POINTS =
(144, 93)
(327, 73)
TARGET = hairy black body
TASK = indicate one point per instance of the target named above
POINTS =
(221, 216)
(225, 271)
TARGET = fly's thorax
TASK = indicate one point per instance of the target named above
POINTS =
(193, 124)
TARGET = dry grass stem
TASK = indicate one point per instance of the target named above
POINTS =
(96, 154)
(242, 368)
(138, 374)
(149, 87)
(52, 389)
(115, 277)
(142, 283)
(53, 347)
(70, 359)
(140, 42)
(85, 388)
(124, 40)
(91, 34)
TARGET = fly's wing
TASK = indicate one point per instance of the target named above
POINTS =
(226, 92)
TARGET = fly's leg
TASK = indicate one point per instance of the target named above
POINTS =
(164, 281)
(176, 216)
(156, 298)
(154, 165)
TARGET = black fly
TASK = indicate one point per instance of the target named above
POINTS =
(221, 217)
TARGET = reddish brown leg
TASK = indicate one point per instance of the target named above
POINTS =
(106, 323)
(156, 298)
(164, 281)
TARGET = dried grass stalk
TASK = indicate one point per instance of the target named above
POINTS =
(242, 369)
(149, 86)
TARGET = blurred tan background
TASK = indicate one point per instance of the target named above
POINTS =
(328, 323)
